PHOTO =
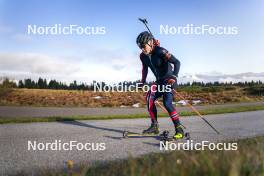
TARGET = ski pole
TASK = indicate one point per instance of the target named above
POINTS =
(197, 112)
(145, 22)
(162, 107)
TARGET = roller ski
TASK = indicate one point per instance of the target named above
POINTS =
(153, 130)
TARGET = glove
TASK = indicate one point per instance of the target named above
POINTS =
(172, 82)
(156, 42)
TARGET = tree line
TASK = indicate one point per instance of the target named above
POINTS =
(54, 84)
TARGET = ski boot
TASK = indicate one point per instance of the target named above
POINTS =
(153, 129)
(179, 133)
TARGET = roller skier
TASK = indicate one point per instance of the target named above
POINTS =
(160, 62)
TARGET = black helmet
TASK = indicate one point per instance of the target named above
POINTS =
(143, 39)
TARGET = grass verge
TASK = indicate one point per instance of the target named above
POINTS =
(4, 120)
(246, 161)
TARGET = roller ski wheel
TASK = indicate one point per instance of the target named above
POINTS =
(125, 134)
(166, 138)
(187, 136)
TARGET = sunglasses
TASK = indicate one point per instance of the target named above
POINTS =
(143, 46)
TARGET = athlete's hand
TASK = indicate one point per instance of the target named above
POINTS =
(171, 81)
(156, 42)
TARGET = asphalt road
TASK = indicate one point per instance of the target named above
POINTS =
(27, 111)
(16, 158)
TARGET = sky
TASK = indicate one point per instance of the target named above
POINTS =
(114, 56)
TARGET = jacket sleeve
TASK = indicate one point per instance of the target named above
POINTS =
(144, 69)
(171, 59)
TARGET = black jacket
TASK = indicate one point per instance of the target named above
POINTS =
(159, 62)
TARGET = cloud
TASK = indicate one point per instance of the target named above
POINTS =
(111, 66)
(106, 65)
(220, 77)
(34, 63)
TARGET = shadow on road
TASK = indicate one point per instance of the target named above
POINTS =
(77, 123)
(82, 124)
(152, 144)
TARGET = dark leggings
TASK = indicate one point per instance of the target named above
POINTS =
(152, 96)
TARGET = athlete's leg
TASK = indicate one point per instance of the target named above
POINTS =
(151, 97)
(151, 106)
(167, 101)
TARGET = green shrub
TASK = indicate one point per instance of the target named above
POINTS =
(213, 89)
(255, 90)
(192, 89)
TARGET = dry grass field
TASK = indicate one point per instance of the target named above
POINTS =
(79, 98)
